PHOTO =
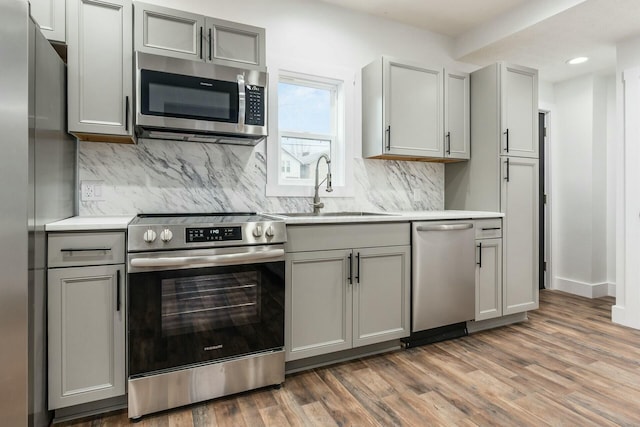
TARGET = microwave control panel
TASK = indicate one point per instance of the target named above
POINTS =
(255, 105)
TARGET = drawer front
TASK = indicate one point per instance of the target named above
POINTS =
(78, 249)
(344, 236)
(488, 228)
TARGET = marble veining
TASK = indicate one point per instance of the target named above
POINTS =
(169, 176)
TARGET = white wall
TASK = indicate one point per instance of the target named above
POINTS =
(579, 186)
(627, 152)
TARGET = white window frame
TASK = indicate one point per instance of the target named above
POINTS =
(342, 143)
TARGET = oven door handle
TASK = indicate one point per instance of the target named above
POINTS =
(211, 260)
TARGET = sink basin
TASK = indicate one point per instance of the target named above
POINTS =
(340, 214)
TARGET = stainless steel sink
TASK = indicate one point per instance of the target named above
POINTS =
(338, 214)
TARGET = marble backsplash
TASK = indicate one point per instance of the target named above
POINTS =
(168, 176)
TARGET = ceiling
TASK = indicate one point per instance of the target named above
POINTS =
(542, 34)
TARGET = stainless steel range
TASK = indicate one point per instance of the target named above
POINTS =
(205, 307)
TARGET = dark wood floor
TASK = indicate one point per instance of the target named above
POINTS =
(568, 365)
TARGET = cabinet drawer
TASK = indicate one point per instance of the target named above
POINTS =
(488, 228)
(78, 249)
(346, 236)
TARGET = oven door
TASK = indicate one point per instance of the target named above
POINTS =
(192, 307)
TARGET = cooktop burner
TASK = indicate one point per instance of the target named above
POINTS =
(167, 231)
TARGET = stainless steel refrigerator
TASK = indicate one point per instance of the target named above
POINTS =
(37, 181)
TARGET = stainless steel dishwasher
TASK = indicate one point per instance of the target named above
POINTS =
(443, 280)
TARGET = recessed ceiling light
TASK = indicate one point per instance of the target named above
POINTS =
(578, 60)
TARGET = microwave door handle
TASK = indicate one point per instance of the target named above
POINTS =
(242, 101)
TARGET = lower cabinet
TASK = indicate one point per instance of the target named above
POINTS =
(489, 284)
(488, 279)
(86, 328)
(345, 298)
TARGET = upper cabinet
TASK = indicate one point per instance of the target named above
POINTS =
(414, 112)
(51, 17)
(178, 34)
(519, 93)
(100, 73)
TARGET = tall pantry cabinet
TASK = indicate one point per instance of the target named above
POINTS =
(502, 174)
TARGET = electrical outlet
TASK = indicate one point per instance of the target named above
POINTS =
(91, 190)
(417, 196)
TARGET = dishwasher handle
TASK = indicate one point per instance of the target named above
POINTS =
(444, 227)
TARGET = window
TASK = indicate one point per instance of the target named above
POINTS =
(310, 123)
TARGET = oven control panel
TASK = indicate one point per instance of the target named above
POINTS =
(213, 234)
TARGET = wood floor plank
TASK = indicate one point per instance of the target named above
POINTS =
(567, 365)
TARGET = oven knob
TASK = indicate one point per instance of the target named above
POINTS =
(269, 232)
(166, 235)
(257, 231)
(149, 236)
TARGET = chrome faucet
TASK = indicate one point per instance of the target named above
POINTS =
(317, 205)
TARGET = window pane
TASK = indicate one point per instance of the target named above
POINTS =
(299, 157)
(304, 109)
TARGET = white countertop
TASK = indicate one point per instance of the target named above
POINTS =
(89, 223)
(391, 217)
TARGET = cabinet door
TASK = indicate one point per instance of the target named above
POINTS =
(381, 297)
(412, 109)
(86, 334)
(51, 17)
(519, 86)
(488, 279)
(519, 202)
(168, 32)
(318, 306)
(456, 115)
(100, 67)
(234, 44)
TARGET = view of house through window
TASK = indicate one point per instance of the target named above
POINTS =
(308, 110)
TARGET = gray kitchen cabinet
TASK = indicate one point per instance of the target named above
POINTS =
(488, 269)
(414, 112)
(175, 33)
(519, 90)
(51, 17)
(456, 115)
(100, 70)
(339, 297)
(86, 318)
(520, 206)
(504, 181)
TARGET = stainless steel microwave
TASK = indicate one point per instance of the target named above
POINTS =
(195, 101)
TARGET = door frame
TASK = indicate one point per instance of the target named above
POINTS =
(545, 208)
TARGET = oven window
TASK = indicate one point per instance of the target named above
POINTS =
(203, 303)
(178, 318)
(175, 95)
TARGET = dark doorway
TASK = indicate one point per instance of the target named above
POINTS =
(543, 200)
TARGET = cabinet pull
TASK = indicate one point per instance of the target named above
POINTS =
(358, 262)
(210, 44)
(491, 228)
(87, 250)
(126, 113)
(448, 142)
(389, 138)
(479, 255)
(201, 36)
(507, 133)
(507, 174)
(350, 269)
(118, 298)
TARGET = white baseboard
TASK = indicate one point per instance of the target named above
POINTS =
(589, 290)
